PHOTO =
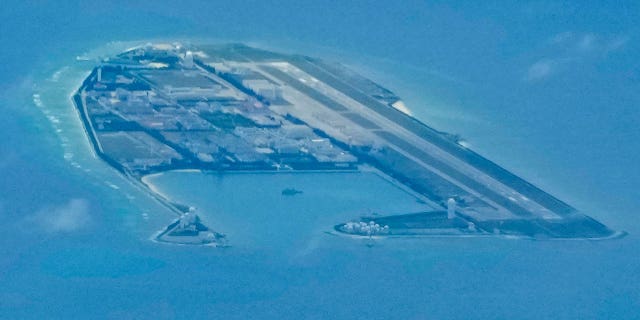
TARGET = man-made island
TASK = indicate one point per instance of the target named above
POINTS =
(222, 108)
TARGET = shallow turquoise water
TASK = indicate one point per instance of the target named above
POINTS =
(283, 264)
(460, 67)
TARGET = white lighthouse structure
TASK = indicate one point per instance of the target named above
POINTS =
(451, 208)
(188, 60)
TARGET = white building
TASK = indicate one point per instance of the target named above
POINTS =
(187, 62)
(264, 88)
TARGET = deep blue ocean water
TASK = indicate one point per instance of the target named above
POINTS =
(549, 90)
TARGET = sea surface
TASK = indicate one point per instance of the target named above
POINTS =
(550, 90)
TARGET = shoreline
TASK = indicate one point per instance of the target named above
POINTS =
(616, 235)
(117, 46)
(143, 177)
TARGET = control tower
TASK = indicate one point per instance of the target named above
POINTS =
(451, 208)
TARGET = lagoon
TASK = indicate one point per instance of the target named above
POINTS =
(251, 209)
